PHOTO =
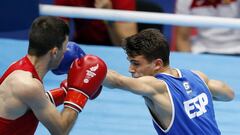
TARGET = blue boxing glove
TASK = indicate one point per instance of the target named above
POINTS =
(73, 51)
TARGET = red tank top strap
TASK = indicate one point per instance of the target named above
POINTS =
(22, 64)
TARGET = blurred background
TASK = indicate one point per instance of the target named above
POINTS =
(214, 51)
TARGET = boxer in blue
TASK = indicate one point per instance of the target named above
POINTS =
(179, 100)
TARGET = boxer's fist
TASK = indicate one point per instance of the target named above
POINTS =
(94, 96)
(57, 95)
(84, 80)
(73, 51)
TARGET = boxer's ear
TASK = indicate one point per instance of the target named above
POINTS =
(54, 51)
(158, 64)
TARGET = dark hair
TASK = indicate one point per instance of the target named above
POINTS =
(150, 43)
(46, 33)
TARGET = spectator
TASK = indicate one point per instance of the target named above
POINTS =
(208, 40)
(98, 32)
(149, 6)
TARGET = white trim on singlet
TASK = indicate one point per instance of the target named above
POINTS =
(173, 112)
(179, 73)
(171, 99)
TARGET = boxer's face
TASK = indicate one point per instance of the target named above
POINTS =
(139, 66)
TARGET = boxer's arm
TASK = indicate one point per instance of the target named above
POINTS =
(31, 93)
(145, 86)
(220, 90)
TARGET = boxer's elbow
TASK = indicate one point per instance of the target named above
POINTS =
(231, 95)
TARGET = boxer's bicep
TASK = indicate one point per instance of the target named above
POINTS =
(35, 99)
(140, 86)
(146, 85)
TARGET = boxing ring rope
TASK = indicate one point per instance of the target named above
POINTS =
(139, 16)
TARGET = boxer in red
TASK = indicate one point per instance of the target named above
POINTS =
(23, 102)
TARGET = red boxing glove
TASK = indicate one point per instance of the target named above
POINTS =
(96, 94)
(84, 79)
(56, 96)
